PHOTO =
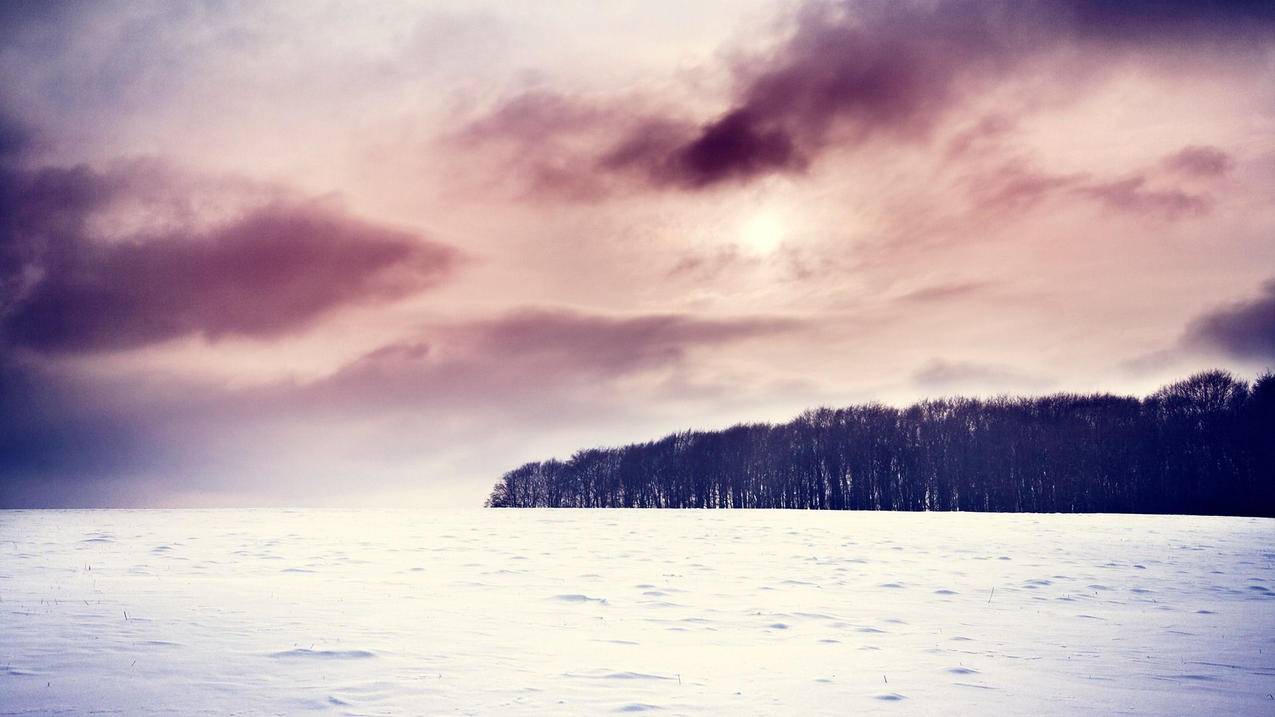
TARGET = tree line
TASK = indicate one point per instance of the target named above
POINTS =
(1204, 445)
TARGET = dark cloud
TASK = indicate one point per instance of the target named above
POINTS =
(1168, 22)
(15, 137)
(847, 75)
(59, 436)
(71, 280)
(850, 73)
(737, 146)
(264, 272)
(1243, 330)
(18, 17)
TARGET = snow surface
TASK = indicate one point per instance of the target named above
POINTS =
(595, 611)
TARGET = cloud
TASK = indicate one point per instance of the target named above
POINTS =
(1171, 22)
(845, 75)
(852, 73)
(710, 265)
(959, 376)
(1243, 330)
(978, 137)
(737, 146)
(947, 292)
(60, 435)
(545, 140)
(15, 137)
(458, 386)
(532, 354)
(68, 285)
(611, 344)
(1199, 161)
(1132, 195)
(1016, 187)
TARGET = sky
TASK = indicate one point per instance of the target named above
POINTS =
(337, 253)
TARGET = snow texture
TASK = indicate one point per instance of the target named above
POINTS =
(664, 612)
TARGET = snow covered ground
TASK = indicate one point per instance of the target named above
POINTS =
(537, 611)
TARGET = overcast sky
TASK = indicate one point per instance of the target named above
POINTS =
(339, 253)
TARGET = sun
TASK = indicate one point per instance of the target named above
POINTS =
(763, 231)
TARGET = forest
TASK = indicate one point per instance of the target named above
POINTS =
(1204, 445)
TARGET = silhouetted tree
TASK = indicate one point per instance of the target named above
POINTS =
(1205, 445)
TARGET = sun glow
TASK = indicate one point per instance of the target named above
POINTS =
(763, 231)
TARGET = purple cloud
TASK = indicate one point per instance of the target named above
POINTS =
(851, 73)
(737, 146)
(272, 270)
(1243, 23)
(1243, 330)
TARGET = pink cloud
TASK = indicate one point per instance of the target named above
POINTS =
(1133, 195)
(1199, 161)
